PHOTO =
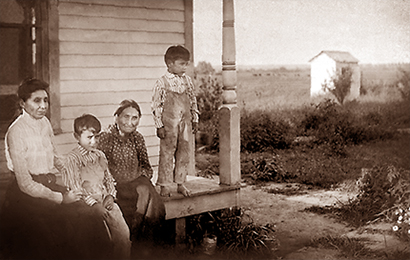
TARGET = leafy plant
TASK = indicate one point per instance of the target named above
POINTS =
(340, 84)
(401, 219)
(348, 247)
(203, 68)
(238, 237)
(382, 190)
(403, 84)
(260, 168)
(209, 99)
(260, 132)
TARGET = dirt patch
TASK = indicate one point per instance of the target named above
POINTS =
(295, 228)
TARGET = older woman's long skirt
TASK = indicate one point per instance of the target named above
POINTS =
(33, 228)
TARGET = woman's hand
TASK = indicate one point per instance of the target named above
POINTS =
(108, 202)
(161, 132)
(101, 210)
(71, 196)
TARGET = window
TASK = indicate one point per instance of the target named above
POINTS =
(23, 51)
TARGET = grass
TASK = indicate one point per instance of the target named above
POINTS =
(351, 248)
(354, 248)
(279, 100)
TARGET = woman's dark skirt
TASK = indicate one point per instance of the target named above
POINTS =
(34, 228)
(143, 209)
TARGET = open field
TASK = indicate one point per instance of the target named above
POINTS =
(284, 94)
(284, 88)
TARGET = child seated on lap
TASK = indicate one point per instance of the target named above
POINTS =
(86, 170)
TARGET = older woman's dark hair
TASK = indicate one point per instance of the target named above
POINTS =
(126, 104)
(29, 86)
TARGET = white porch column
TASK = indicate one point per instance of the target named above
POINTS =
(229, 122)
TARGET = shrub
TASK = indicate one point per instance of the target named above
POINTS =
(260, 132)
(238, 237)
(349, 248)
(209, 91)
(340, 84)
(383, 189)
(209, 99)
(261, 168)
(203, 68)
(403, 84)
(338, 126)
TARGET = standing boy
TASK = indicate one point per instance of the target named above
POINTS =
(86, 170)
(175, 112)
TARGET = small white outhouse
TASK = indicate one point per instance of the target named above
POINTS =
(326, 65)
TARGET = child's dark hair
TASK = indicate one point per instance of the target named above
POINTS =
(176, 52)
(86, 122)
(29, 86)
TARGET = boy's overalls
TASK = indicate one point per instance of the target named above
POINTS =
(177, 121)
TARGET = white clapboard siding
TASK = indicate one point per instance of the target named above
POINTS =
(111, 50)
(106, 98)
(119, 24)
(109, 73)
(76, 86)
(103, 48)
(102, 110)
(115, 9)
(117, 61)
(110, 36)
(155, 4)
(67, 124)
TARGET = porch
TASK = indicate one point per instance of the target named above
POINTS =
(206, 195)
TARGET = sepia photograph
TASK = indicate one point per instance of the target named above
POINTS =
(205, 129)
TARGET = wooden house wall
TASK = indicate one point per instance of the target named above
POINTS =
(322, 69)
(112, 50)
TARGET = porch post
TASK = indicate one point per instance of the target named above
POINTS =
(229, 132)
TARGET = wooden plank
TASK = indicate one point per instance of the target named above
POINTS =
(180, 230)
(130, 36)
(63, 138)
(189, 27)
(54, 65)
(163, 4)
(142, 12)
(77, 86)
(73, 60)
(84, 48)
(153, 150)
(99, 98)
(67, 124)
(119, 24)
(104, 110)
(110, 73)
(207, 195)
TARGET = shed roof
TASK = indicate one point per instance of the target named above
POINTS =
(339, 56)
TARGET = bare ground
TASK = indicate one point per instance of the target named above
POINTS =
(295, 228)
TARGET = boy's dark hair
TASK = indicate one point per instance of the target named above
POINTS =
(126, 103)
(29, 86)
(86, 122)
(176, 52)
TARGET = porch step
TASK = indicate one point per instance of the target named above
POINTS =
(206, 195)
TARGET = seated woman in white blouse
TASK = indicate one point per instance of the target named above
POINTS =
(41, 219)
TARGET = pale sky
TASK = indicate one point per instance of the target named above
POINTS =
(294, 31)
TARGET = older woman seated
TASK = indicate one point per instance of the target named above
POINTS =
(41, 219)
(125, 149)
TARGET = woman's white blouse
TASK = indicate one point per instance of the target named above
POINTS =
(30, 150)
